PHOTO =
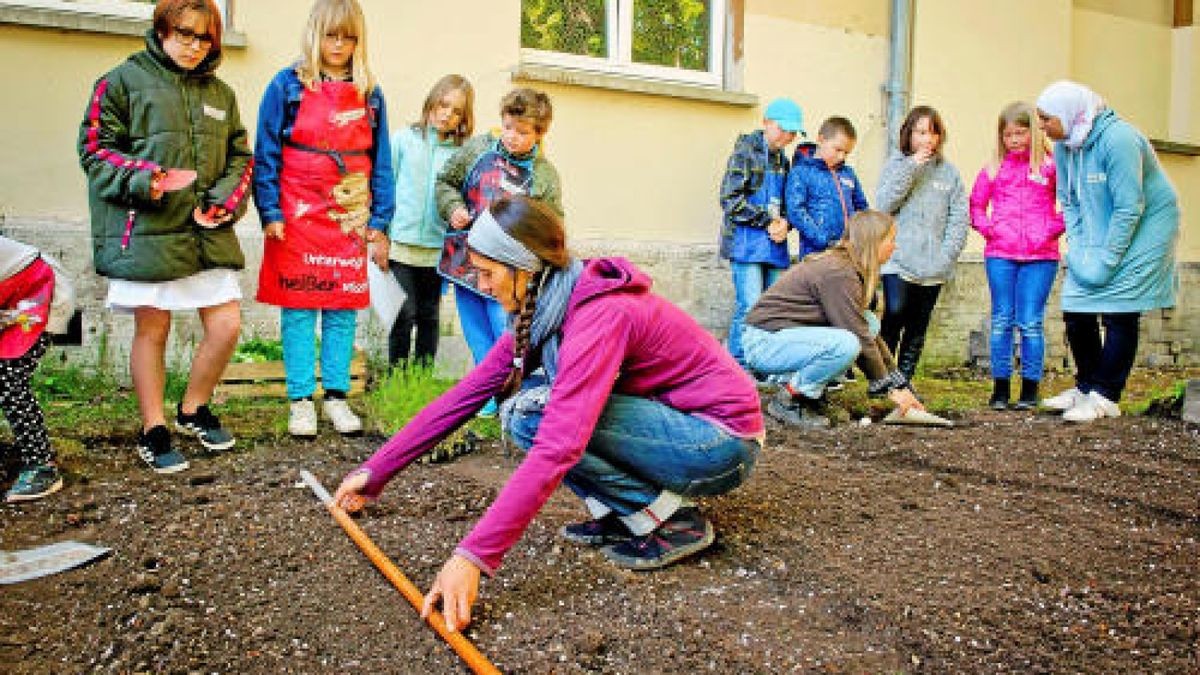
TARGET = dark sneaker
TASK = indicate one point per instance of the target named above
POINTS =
(34, 483)
(683, 534)
(154, 447)
(597, 532)
(205, 426)
(795, 412)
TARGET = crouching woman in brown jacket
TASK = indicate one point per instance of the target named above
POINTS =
(813, 323)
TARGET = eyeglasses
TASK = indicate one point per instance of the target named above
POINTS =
(188, 37)
(339, 37)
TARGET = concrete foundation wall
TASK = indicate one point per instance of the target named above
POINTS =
(688, 274)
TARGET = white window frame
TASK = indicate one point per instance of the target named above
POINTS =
(620, 50)
(124, 9)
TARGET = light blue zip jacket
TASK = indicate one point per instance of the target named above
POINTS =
(929, 203)
(417, 158)
(1122, 218)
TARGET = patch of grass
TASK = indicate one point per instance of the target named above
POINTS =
(401, 393)
(1162, 400)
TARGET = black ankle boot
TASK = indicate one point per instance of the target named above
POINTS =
(1029, 395)
(1000, 393)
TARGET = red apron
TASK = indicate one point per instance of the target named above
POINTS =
(29, 291)
(321, 264)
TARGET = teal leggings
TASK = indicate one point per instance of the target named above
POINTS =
(298, 330)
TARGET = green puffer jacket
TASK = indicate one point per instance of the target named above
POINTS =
(145, 116)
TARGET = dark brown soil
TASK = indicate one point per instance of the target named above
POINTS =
(1010, 544)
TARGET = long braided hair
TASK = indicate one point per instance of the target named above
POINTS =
(540, 230)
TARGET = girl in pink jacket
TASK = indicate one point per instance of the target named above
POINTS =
(1022, 229)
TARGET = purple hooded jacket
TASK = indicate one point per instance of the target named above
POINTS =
(617, 337)
(1024, 224)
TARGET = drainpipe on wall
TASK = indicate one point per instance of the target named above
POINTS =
(896, 89)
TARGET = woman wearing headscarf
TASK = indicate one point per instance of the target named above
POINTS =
(1122, 220)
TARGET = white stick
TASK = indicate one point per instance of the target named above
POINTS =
(316, 487)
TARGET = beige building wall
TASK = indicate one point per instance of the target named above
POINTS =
(1128, 62)
(969, 78)
(641, 171)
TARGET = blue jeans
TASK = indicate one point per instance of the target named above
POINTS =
(483, 320)
(810, 356)
(640, 448)
(1019, 293)
(297, 329)
(749, 282)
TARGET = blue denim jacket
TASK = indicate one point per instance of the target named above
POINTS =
(277, 114)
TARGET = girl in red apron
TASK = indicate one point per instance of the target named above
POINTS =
(324, 190)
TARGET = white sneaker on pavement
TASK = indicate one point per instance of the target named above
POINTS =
(1092, 407)
(302, 419)
(343, 418)
(1064, 401)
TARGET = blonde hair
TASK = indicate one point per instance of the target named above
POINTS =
(865, 231)
(1022, 114)
(335, 16)
(447, 84)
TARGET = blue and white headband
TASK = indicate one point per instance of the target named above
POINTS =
(489, 239)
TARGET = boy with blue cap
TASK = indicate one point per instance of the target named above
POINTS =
(754, 233)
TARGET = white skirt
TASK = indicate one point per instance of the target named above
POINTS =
(208, 288)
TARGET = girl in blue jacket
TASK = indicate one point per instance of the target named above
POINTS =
(418, 154)
(1122, 219)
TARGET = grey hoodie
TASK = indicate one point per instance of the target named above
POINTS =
(932, 215)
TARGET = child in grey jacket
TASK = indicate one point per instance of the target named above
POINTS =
(925, 194)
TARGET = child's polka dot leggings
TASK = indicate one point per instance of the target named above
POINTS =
(21, 407)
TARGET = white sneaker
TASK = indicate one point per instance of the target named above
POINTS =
(302, 419)
(343, 418)
(1092, 407)
(1064, 401)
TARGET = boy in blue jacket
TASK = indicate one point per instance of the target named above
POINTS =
(822, 191)
(754, 233)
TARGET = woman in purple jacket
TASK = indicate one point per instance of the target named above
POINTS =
(1021, 257)
(611, 389)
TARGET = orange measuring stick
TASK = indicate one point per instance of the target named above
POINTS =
(475, 660)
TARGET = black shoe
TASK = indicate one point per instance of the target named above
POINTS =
(35, 482)
(683, 534)
(800, 412)
(598, 532)
(205, 426)
(1029, 395)
(154, 447)
(1001, 390)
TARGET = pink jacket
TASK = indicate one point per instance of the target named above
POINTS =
(1023, 224)
(617, 337)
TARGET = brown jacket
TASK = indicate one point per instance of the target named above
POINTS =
(823, 290)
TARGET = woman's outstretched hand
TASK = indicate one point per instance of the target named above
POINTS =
(457, 585)
(905, 400)
(349, 494)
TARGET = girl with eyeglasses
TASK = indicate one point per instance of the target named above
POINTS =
(168, 171)
(323, 188)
